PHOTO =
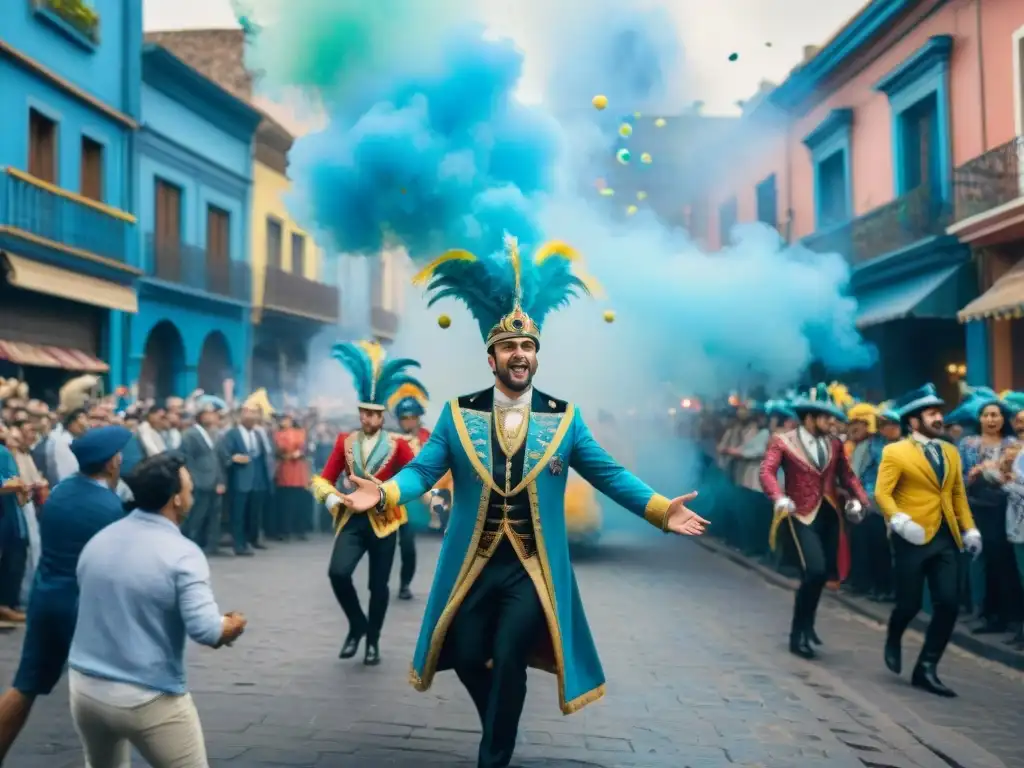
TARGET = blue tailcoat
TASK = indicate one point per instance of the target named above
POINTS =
(557, 439)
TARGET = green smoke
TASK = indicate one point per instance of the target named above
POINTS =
(324, 46)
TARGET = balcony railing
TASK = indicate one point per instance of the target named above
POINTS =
(191, 266)
(906, 220)
(49, 213)
(297, 295)
(989, 180)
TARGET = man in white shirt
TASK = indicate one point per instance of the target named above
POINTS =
(60, 461)
(150, 432)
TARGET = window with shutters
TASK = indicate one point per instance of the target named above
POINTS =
(274, 243)
(298, 254)
(92, 169)
(167, 231)
(42, 146)
(218, 250)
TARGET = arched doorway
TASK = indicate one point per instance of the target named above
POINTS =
(163, 363)
(214, 364)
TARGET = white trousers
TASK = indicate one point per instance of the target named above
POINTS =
(166, 731)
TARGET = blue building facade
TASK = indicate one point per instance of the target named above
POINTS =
(194, 180)
(70, 83)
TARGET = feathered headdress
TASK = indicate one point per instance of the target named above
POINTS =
(841, 395)
(408, 400)
(508, 297)
(376, 379)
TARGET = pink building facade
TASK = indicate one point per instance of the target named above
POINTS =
(863, 151)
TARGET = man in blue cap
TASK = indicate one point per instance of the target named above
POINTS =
(79, 507)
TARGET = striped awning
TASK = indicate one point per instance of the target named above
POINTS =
(1003, 301)
(43, 356)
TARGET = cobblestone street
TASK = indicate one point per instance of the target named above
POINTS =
(693, 647)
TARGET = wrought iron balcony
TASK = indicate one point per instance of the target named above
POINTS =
(297, 295)
(192, 266)
(50, 215)
(906, 220)
(989, 180)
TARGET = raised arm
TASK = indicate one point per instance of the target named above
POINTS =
(597, 467)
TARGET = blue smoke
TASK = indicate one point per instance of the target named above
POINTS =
(443, 159)
(438, 153)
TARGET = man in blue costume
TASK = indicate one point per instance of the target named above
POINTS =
(504, 595)
(78, 508)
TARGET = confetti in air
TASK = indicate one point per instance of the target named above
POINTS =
(733, 56)
(623, 156)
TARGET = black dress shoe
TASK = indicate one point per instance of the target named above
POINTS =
(894, 658)
(405, 593)
(351, 646)
(813, 637)
(799, 646)
(372, 658)
(926, 679)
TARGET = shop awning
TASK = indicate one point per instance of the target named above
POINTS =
(1004, 299)
(54, 281)
(931, 295)
(39, 356)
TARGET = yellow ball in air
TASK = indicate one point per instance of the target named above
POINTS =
(609, 316)
(444, 321)
(625, 130)
(630, 210)
(600, 102)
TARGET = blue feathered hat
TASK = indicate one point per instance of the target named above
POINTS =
(817, 400)
(1014, 399)
(964, 414)
(408, 400)
(780, 409)
(375, 378)
(925, 396)
(886, 412)
(509, 297)
(980, 398)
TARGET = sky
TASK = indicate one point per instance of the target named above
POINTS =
(768, 36)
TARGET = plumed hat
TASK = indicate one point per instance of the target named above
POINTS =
(1013, 399)
(886, 412)
(780, 409)
(979, 399)
(915, 401)
(841, 396)
(508, 296)
(817, 400)
(376, 378)
(408, 400)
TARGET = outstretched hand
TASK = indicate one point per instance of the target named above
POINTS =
(682, 520)
(365, 497)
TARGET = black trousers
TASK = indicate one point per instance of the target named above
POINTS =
(246, 517)
(874, 538)
(407, 548)
(500, 621)
(13, 560)
(819, 545)
(203, 523)
(292, 513)
(356, 539)
(938, 563)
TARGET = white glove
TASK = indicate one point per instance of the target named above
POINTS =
(785, 504)
(972, 541)
(907, 529)
(854, 511)
(333, 501)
